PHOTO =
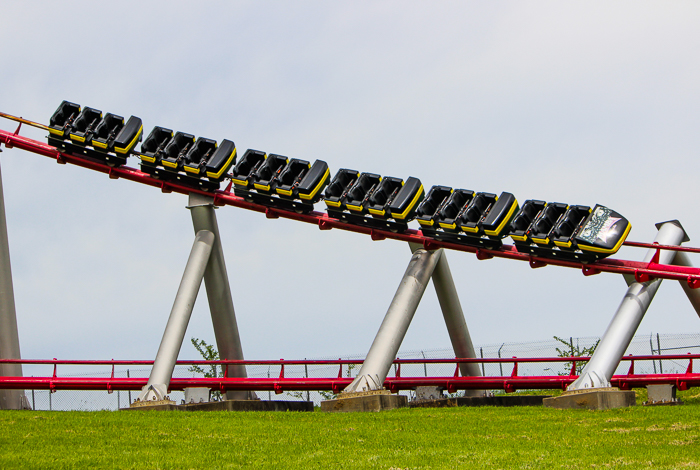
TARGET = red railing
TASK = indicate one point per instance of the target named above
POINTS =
(641, 271)
(336, 384)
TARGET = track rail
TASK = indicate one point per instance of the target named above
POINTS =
(397, 383)
(640, 270)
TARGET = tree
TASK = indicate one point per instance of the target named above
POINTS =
(208, 353)
(572, 351)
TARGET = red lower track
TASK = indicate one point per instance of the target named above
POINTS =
(397, 383)
(641, 271)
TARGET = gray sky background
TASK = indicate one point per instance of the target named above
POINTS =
(583, 103)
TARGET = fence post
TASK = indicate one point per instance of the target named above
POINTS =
(658, 344)
(482, 364)
(306, 371)
(128, 376)
(500, 364)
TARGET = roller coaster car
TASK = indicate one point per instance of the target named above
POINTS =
(556, 230)
(246, 167)
(275, 182)
(63, 118)
(114, 141)
(369, 200)
(180, 158)
(86, 133)
(462, 216)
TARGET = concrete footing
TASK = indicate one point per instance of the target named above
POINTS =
(505, 400)
(231, 405)
(365, 401)
(592, 399)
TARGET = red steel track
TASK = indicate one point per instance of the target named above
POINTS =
(641, 271)
(397, 383)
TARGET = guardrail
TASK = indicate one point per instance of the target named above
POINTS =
(336, 384)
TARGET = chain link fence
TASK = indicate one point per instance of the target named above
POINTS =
(657, 344)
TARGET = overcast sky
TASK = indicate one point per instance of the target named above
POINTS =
(582, 103)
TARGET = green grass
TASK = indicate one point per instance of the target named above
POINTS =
(639, 437)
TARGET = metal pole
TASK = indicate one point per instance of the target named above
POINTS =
(127, 375)
(658, 345)
(398, 317)
(164, 365)
(616, 340)
(223, 316)
(453, 314)
(9, 334)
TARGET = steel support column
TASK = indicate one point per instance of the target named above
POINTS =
(162, 372)
(396, 321)
(453, 314)
(223, 316)
(617, 337)
(9, 334)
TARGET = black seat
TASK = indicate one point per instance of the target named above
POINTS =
(84, 125)
(290, 176)
(153, 148)
(382, 196)
(197, 157)
(567, 227)
(265, 178)
(343, 180)
(106, 132)
(520, 226)
(545, 222)
(311, 185)
(175, 151)
(222, 159)
(452, 208)
(62, 118)
(404, 205)
(357, 196)
(475, 211)
(246, 167)
(428, 209)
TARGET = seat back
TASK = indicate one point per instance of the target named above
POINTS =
(63, 117)
(335, 192)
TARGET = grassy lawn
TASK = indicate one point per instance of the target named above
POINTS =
(639, 437)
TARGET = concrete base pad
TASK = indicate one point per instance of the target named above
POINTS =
(592, 399)
(370, 402)
(504, 400)
(251, 405)
(232, 405)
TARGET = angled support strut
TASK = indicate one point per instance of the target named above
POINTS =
(629, 315)
(157, 387)
(396, 321)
